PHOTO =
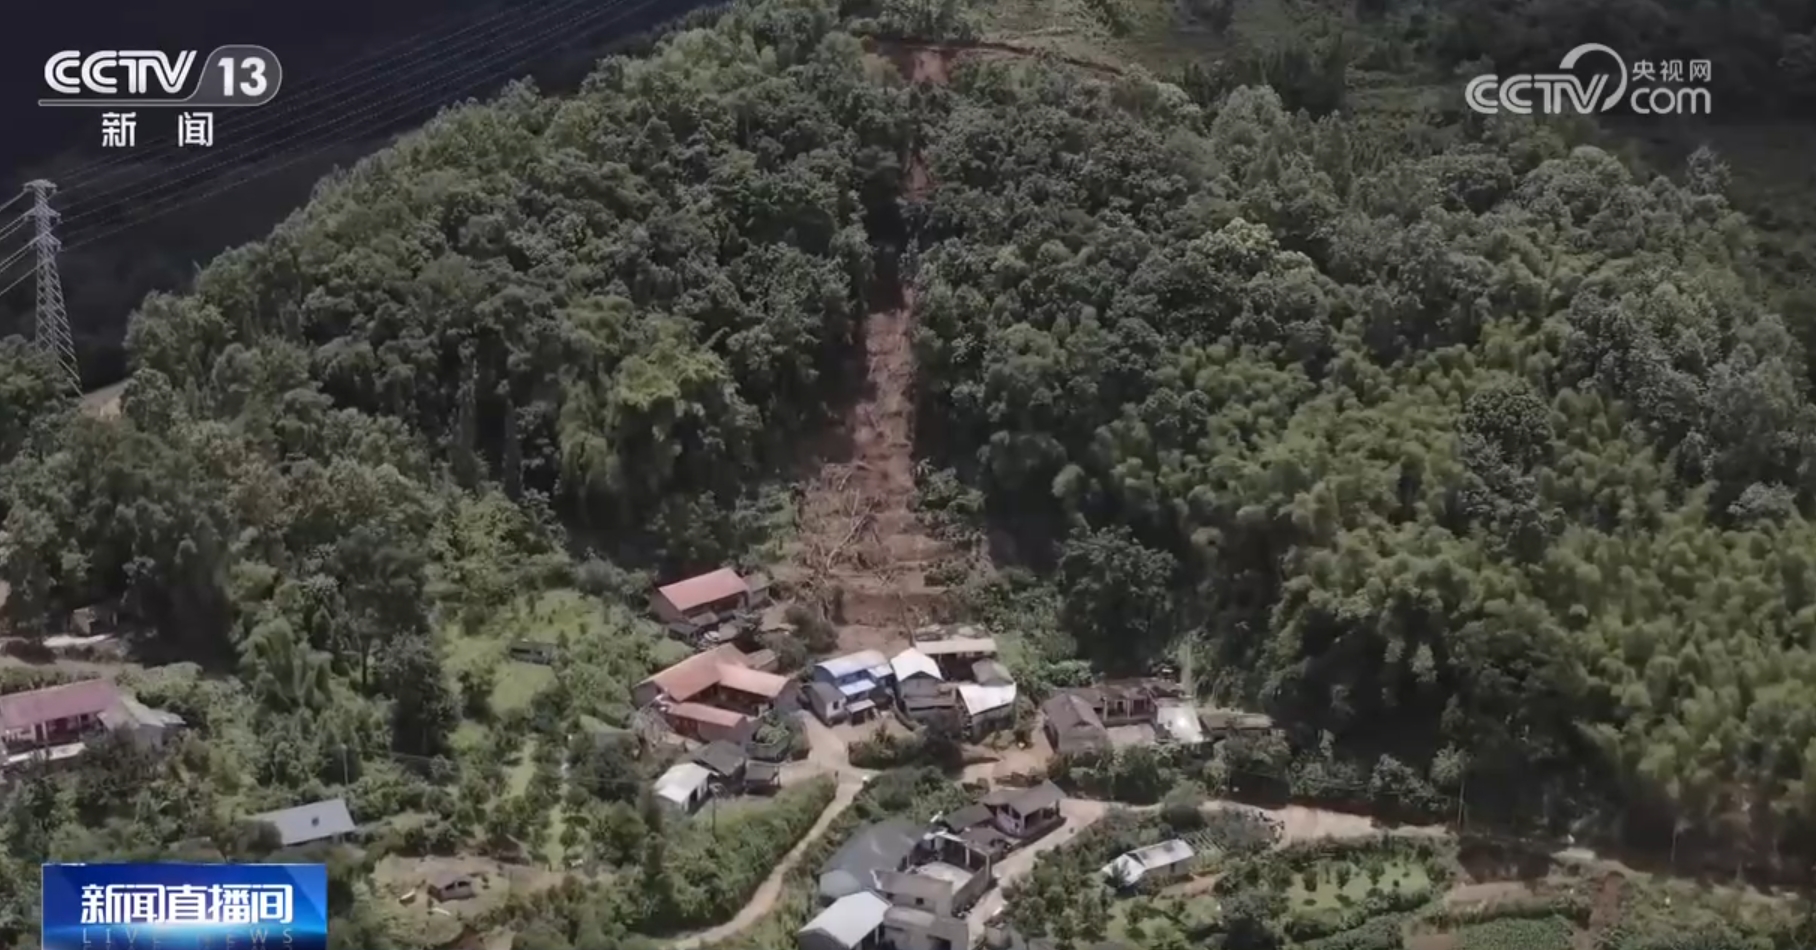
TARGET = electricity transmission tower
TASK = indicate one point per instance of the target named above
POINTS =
(51, 332)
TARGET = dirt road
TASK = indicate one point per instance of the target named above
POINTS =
(764, 900)
(1297, 823)
(827, 754)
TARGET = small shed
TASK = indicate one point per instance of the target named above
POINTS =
(850, 923)
(1178, 723)
(685, 786)
(1165, 861)
(452, 886)
(306, 824)
(723, 759)
(534, 651)
(762, 777)
(827, 702)
(146, 726)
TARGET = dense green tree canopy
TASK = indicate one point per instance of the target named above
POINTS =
(1476, 440)
(1471, 452)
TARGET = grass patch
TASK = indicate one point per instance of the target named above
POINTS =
(591, 633)
(1333, 886)
(523, 768)
(1142, 921)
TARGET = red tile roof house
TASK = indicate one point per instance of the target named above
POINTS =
(55, 715)
(712, 593)
(710, 695)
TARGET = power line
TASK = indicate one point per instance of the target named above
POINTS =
(210, 162)
(21, 279)
(383, 59)
(172, 203)
(30, 245)
(10, 201)
(436, 96)
(18, 223)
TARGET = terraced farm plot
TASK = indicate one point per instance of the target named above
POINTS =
(1508, 934)
(1332, 887)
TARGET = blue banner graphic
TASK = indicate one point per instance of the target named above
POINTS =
(185, 906)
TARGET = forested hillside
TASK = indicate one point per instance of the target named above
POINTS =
(1471, 453)
(1471, 448)
(542, 343)
(616, 308)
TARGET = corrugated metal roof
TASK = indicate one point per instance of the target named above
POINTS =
(713, 586)
(696, 674)
(38, 706)
(957, 646)
(1130, 867)
(1044, 795)
(721, 757)
(313, 822)
(882, 846)
(130, 711)
(755, 682)
(982, 699)
(912, 662)
(858, 687)
(851, 664)
(1179, 723)
(681, 782)
(850, 918)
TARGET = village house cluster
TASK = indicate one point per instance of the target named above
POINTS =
(1095, 718)
(950, 677)
(905, 886)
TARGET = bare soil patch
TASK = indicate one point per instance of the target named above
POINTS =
(1605, 912)
(1193, 887)
(1005, 766)
(930, 64)
(402, 883)
(863, 554)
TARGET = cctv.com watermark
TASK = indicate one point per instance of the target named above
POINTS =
(1672, 87)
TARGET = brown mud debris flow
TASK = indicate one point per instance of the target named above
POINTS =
(863, 555)
(863, 551)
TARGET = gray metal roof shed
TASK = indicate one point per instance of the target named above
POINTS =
(313, 822)
(849, 920)
(883, 846)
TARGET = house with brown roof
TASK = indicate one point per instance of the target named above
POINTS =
(55, 715)
(691, 600)
(1126, 702)
(1072, 725)
(712, 694)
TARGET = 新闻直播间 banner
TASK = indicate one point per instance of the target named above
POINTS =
(185, 906)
